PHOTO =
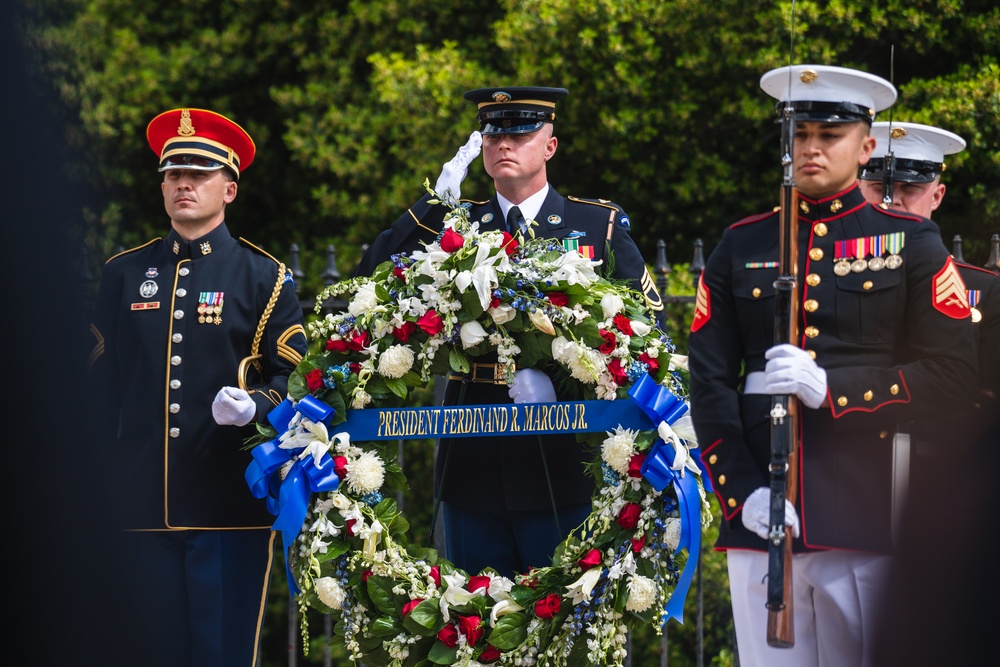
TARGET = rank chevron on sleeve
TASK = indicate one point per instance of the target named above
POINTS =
(950, 295)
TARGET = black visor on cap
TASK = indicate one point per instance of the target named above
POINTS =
(185, 161)
(828, 112)
(513, 121)
(906, 171)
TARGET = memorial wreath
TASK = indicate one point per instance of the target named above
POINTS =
(328, 469)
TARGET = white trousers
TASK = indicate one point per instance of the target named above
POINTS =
(837, 596)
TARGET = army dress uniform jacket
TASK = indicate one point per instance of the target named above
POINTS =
(172, 323)
(497, 474)
(893, 337)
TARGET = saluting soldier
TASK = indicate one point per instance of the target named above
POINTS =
(884, 336)
(497, 506)
(195, 336)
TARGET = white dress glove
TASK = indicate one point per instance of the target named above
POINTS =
(532, 386)
(790, 370)
(757, 514)
(233, 406)
(449, 183)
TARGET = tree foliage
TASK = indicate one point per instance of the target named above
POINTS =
(353, 103)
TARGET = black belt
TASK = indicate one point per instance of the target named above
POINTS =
(486, 373)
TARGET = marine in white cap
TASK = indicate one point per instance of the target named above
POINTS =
(880, 315)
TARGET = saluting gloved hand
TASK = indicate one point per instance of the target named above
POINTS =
(757, 514)
(449, 183)
(233, 406)
(790, 370)
(531, 386)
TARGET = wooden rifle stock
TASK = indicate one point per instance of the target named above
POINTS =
(784, 413)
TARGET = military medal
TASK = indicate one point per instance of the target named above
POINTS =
(877, 263)
(210, 308)
(973, 302)
(860, 252)
(842, 266)
(894, 244)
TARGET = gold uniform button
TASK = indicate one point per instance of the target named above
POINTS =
(811, 305)
(731, 502)
(813, 279)
(712, 459)
(883, 434)
(867, 285)
(816, 254)
(722, 480)
(812, 354)
(869, 395)
(820, 229)
(842, 401)
(812, 332)
(894, 389)
(756, 292)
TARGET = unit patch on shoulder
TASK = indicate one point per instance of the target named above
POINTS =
(702, 306)
(624, 222)
(950, 296)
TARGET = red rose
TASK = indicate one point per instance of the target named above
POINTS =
(358, 341)
(623, 323)
(475, 583)
(557, 298)
(338, 345)
(355, 367)
(451, 241)
(592, 558)
(409, 606)
(548, 606)
(436, 575)
(494, 302)
(635, 465)
(509, 244)
(366, 574)
(489, 654)
(340, 466)
(404, 331)
(349, 526)
(529, 580)
(628, 518)
(430, 323)
(617, 372)
(608, 346)
(448, 635)
(638, 544)
(314, 379)
(471, 627)
(653, 362)
(398, 272)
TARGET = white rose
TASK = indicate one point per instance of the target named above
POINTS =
(395, 362)
(472, 333)
(640, 328)
(611, 304)
(503, 313)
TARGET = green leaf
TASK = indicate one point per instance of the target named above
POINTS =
(510, 631)
(380, 592)
(441, 654)
(385, 626)
(458, 361)
(424, 619)
(397, 386)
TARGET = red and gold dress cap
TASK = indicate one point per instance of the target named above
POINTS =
(199, 139)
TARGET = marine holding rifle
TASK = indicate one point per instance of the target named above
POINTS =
(882, 334)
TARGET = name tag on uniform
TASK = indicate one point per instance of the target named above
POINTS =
(146, 305)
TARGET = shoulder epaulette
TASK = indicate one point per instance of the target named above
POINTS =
(606, 203)
(755, 218)
(258, 249)
(130, 250)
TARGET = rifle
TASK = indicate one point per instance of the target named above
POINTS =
(784, 411)
(889, 168)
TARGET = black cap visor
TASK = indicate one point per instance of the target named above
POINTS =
(906, 171)
(828, 112)
(513, 121)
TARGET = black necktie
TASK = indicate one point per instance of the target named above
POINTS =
(515, 221)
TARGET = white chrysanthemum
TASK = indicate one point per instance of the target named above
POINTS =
(365, 474)
(584, 363)
(611, 305)
(672, 533)
(329, 592)
(618, 448)
(641, 593)
(363, 301)
(395, 362)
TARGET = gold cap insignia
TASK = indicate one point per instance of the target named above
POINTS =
(501, 97)
(186, 129)
(898, 132)
(808, 76)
